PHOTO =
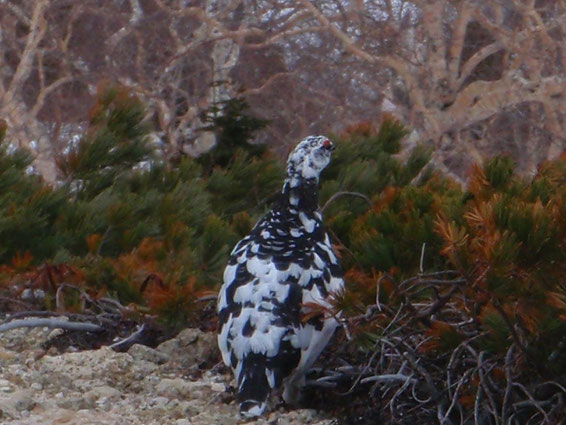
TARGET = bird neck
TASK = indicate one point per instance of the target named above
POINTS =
(300, 194)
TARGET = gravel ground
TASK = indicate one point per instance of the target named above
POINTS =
(165, 385)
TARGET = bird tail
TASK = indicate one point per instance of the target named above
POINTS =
(253, 388)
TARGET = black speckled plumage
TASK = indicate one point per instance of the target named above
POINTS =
(284, 264)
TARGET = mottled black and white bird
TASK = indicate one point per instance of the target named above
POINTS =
(274, 275)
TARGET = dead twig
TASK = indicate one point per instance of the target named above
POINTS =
(11, 301)
(485, 387)
(509, 386)
(454, 400)
(127, 342)
(421, 262)
(207, 298)
(533, 401)
(50, 323)
(389, 378)
(344, 193)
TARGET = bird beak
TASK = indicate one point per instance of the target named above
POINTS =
(328, 145)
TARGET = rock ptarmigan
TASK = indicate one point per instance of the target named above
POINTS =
(273, 278)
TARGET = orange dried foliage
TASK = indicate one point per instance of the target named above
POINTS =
(363, 280)
(41, 192)
(484, 245)
(136, 265)
(338, 249)
(490, 310)
(557, 299)
(69, 163)
(499, 373)
(149, 249)
(481, 215)
(130, 268)
(385, 199)
(467, 400)
(49, 276)
(21, 262)
(363, 287)
(122, 96)
(478, 182)
(454, 238)
(437, 333)
(394, 270)
(313, 309)
(362, 128)
(160, 296)
(93, 242)
(12, 209)
(530, 315)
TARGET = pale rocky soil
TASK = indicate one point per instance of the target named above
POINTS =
(143, 386)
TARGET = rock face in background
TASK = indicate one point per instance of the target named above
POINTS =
(165, 385)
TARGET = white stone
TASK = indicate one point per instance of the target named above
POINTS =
(216, 387)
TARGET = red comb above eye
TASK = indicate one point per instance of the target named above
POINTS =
(327, 143)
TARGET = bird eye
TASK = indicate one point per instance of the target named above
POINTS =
(327, 144)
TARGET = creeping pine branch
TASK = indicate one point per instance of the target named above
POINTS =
(339, 194)
(50, 323)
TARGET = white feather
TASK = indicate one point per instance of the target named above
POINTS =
(308, 223)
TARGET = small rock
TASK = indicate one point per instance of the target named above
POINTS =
(27, 295)
(172, 387)
(57, 332)
(6, 410)
(22, 400)
(217, 387)
(143, 352)
(190, 347)
(179, 388)
(6, 355)
(189, 336)
(73, 403)
(159, 402)
(36, 386)
(5, 386)
(98, 394)
(169, 347)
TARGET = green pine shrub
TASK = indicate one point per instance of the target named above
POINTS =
(124, 217)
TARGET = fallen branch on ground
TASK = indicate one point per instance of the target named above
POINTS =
(50, 323)
(125, 343)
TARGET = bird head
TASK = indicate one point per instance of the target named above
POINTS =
(308, 159)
